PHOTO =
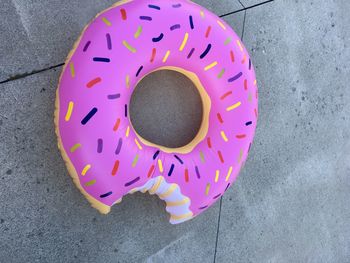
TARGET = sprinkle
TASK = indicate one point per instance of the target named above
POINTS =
(184, 42)
(126, 110)
(119, 146)
(99, 145)
(138, 32)
(255, 82)
(138, 144)
(205, 52)
(177, 26)
(203, 207)
(250, 64)
(250, 97)
(150, 171)
(157, 39)
(106, 194)
(136, 159)
(239, 45)
(209, 142)
(127, 45)
(171, 170)
(224, 137)
(228, 41)
(178, 203)
(168, 192)
(220, 118)
(154, 7)
(147, 18)
(191, 22)
(123, 13)
(229, 173)
(154, 52)
(232, 55)
(211, 66)
(86, 46)
(176, 5)
(160, 165)
(221, 24)
(256, 113)
(86, 169)
(116, 125)
(202, 156)
(93, 82)
(132, 182)
(197, 172)
(127, 132)
(127, 81)
(75, 147)
(240, 156)
(69, 111)
(221, 157)
(89, 116)
(217, 196)
(97, 59)
(166, 56)
(207, 188)
(139, 71)
(191, 53)
(234, 106)
(235, 77)
(244, 59)
(221, 73)
(245, 84)
(106, 21)
(90, 183)
(202, 13)
(186, 176)
(208, 32)
(228, 185)
(225, 95)
(72, 70)
(248, 123)
(156, 155)
(241, 136)
(109, 41)
(115, 167)
(113, 96)
(178, 158)
(217, 174)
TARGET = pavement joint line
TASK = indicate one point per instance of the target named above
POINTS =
(241, 3)
(217, 231)
(246, 8)
(243, 28)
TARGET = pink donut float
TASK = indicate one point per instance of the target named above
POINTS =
(104, 154)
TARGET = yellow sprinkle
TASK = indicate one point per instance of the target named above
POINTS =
(92, 182)
(127, 131)
(240, 45)
(69, 110)
(240, 156)
(184, 42)
(166, 56)
(138, 32)
(207, 188)
(228, 41)
(86, 169)
(160, 164)
(168, 192)
(75, 147)
(221, 73)
(217, 174)
(138, 144)
(155, 187)
(224, 137)
(180, 217)
(106, 21)
(254, 82)
(136, 159)
(127, 45)
(211, 66)
(229, 174)
(178, 203)
(127, 81)
(234, 106)
(221, 24)
(202, 14)
(72, 70)
(202, 156)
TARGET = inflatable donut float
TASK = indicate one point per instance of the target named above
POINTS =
(104, 154)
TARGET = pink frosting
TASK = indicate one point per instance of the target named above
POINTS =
(111, 49)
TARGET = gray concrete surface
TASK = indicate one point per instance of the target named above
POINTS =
(291, 202)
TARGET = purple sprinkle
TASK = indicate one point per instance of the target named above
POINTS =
(177, 5)
(216, 196)
(113, 96)
(109, 41)
(203, 207)
(147, 18)
(119, 147)
(106, 194)
(86, 46)
(235, 77)
(227, 187)
(197, 172)
(250, 64)
(191, 53)
(248, 123)
(177, 26)
(132, 182)
(99, 145)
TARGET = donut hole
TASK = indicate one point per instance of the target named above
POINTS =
(166, 109)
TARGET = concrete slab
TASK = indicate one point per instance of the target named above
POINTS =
(39, 34)
(44, 218)
(291, 202)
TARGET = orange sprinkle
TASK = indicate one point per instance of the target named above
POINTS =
(116, 125)
(209, 142)
(115, 168)
(256, 113)
(225, 95)
(245, 84)
(240, 136)
(150, 171)
(244, 59)
(208, 32)
(232, 56)
(186, 176)
(154, 52)
(220, 157)
(220, 118)
(123, 13)
(93, 82)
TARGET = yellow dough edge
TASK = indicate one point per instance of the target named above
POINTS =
(102, 208)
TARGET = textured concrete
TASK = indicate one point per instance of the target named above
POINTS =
(291, 202)
(39, 34)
